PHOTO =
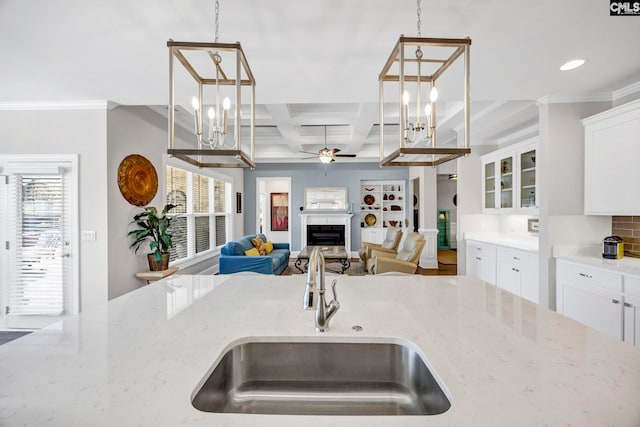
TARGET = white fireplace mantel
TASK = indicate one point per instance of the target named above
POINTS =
(326, 218)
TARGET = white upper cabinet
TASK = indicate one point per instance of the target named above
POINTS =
(612, 155)
(509, 183)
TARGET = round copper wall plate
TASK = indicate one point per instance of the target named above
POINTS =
(137, 180)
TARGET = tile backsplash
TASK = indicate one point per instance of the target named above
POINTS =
(628, 227)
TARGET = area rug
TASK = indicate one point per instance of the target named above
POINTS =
(355, 269)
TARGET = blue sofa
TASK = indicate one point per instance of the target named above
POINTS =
(233, 260)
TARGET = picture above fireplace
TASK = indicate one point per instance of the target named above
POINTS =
(326, 198)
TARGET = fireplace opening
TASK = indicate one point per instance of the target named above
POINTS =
(325, 235)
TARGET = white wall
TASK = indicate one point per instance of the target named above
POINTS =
(469, 212)
(72, 131)
(274, 185)
(561, 186)
(427, 218)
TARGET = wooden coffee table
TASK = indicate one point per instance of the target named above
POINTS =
(331, 254)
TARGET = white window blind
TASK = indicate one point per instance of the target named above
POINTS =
(36, 227)
(201, 217)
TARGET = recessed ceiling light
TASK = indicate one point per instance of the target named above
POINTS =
(571, 65)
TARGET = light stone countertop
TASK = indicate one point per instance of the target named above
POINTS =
(522, 241)
(137, 360)
(592, 255)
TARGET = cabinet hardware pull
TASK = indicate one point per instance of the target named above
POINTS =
(626, 304)
(479, 259)
(588, 276)
(516, 258)
(615, 301)
(516, 270)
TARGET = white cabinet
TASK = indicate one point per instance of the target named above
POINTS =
(509, 183)
(612, 150)
(372, 235)
(499, 178)
(481, 261)
(591, 296)
(632, 309)
(517, 272)
(595, 307)
(382, 204)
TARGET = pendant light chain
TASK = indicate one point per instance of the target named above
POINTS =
(217, 22)
(419, 19)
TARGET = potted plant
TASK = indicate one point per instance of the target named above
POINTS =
(153, 228)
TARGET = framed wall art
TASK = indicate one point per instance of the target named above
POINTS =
(238, 202)
(279, 211)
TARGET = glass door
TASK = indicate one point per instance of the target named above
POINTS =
(37, 283)
(490, 185)
(528, 180)
(506, 182)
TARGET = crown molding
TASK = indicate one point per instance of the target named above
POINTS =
(626, 91)
(570, 99)
(58, 105)
(520, 135)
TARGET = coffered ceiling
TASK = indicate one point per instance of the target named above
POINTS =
(317, 62)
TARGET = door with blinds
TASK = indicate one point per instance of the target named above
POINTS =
(37, 282)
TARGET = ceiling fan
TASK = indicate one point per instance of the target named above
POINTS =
(327, 155)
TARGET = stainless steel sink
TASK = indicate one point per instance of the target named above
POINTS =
(321, 378)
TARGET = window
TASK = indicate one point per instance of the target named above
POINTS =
(201, 218)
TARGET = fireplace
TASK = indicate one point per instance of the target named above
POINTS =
(327, 228)
(325, 235)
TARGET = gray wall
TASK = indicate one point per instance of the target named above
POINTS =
(72, 131)
(140, 130)
(312, 175)
(102, 138)
(130, 130)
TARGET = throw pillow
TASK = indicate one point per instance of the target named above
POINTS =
(252, 252)
(268, 246)
(259, 245)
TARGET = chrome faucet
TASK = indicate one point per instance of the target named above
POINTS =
(314, 293)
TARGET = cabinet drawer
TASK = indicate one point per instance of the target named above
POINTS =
(585, 274)
(632, 285)
(518, 259)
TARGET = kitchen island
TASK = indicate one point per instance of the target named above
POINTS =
(137, 360)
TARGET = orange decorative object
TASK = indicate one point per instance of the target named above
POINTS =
(137, 180)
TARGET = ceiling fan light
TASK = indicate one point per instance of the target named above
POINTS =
(325, 158)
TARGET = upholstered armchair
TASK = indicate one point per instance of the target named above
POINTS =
(405, 261)
(390, 244)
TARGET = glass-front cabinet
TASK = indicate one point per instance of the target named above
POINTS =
(509, 181)
(490, 185)
(506, 182)
(528, 190)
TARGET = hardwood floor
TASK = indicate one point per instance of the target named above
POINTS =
(446, 266)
